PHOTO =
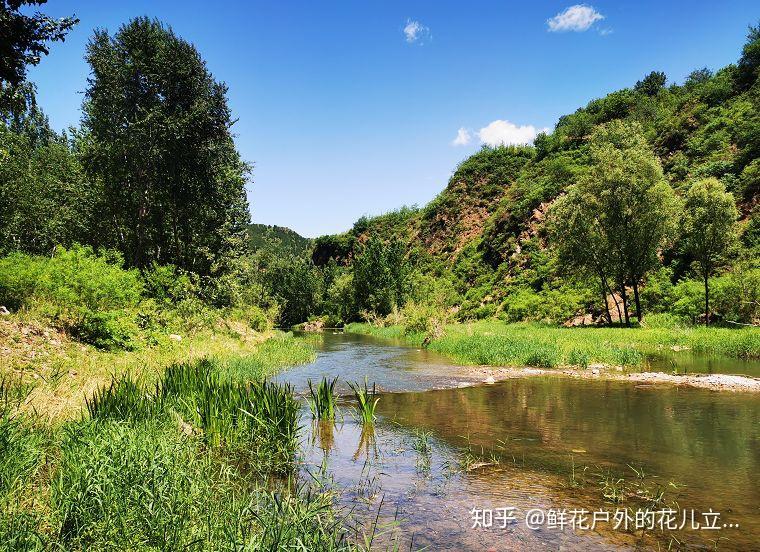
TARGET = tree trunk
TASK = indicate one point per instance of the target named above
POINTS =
(707, 301)
(624, 295)
(603, 281)
(637, 300)
(617, 305)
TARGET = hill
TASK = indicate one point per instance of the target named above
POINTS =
(484, 233)
(277, 239)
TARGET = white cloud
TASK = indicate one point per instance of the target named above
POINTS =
(463, 137)
(505, 133)
(414, 31)
(575, 18)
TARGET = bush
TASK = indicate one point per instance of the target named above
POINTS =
(167, 284)
(106, 330)
(253, 316)
(85, 293)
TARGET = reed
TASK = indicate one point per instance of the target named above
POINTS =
(123, 399)
(323, 402)
(366, 402)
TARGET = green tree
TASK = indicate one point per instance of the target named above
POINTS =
(295, 285)
(23, 42)
(580, 242)
(622, 210)
(381, 275)
(45, 198)
(709, 229)
(749, 62)
(652, 83)
(160, 140)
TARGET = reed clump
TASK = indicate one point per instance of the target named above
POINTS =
(322, 400)
(366, 402)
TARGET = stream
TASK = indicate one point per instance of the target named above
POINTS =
(454, 464)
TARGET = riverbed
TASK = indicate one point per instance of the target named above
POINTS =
(454, 464)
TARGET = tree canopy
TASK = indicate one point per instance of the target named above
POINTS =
(159, 139)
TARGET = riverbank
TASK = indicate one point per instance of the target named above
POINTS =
(523, 350)
(56, 373)
(179, 445)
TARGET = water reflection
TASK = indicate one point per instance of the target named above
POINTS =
(534, 443)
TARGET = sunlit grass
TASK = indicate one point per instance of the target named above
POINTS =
(366, 401)
(531, 344)
(322, 400)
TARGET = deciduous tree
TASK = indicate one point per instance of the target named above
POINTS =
(709, 229)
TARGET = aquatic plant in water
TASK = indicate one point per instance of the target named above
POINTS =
(323, 402)
(366, 400)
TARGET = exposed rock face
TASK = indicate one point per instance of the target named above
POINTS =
(314, 326)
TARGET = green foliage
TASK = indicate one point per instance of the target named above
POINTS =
(709, 229)
(257, 416)
(366, 402)
(295, 285)
(277, 240)
(25, 37)
(323, 402)
(45, 198)
(651, 84)
(380, 276)
(86, 293)
(619, 215)
(167, 284)
(174, 185)
(124, 399)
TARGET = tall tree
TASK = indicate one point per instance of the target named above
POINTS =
(622, 210)
(709, 229)
(381, 276)
(23, 42)
(161, 143)
(575, 233)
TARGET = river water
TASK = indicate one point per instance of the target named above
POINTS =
(449, 467)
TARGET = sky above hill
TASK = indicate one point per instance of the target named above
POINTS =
(356, 107)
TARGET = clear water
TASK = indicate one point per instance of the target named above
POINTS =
(529, 443)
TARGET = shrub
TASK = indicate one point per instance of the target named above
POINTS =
(578, 357)
(253, 316)
(86, 293)
(167, 284)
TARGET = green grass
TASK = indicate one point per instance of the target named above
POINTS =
(269, 357)
(531, 344)
(322, 401)
(201, 458)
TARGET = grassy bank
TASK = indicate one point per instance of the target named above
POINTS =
(56, 372)
(528, 344)
(199, 455)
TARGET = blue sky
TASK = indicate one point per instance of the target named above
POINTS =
(354, 107)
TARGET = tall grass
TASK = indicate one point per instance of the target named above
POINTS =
(531, 344)
(123, 399)
(366, 402)
(142, 485)
(259, 417)
(322, 400)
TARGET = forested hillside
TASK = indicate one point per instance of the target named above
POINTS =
(486, 240)
(277, 239)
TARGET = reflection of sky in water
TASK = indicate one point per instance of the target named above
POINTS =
(539, 428)
(392, 367)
